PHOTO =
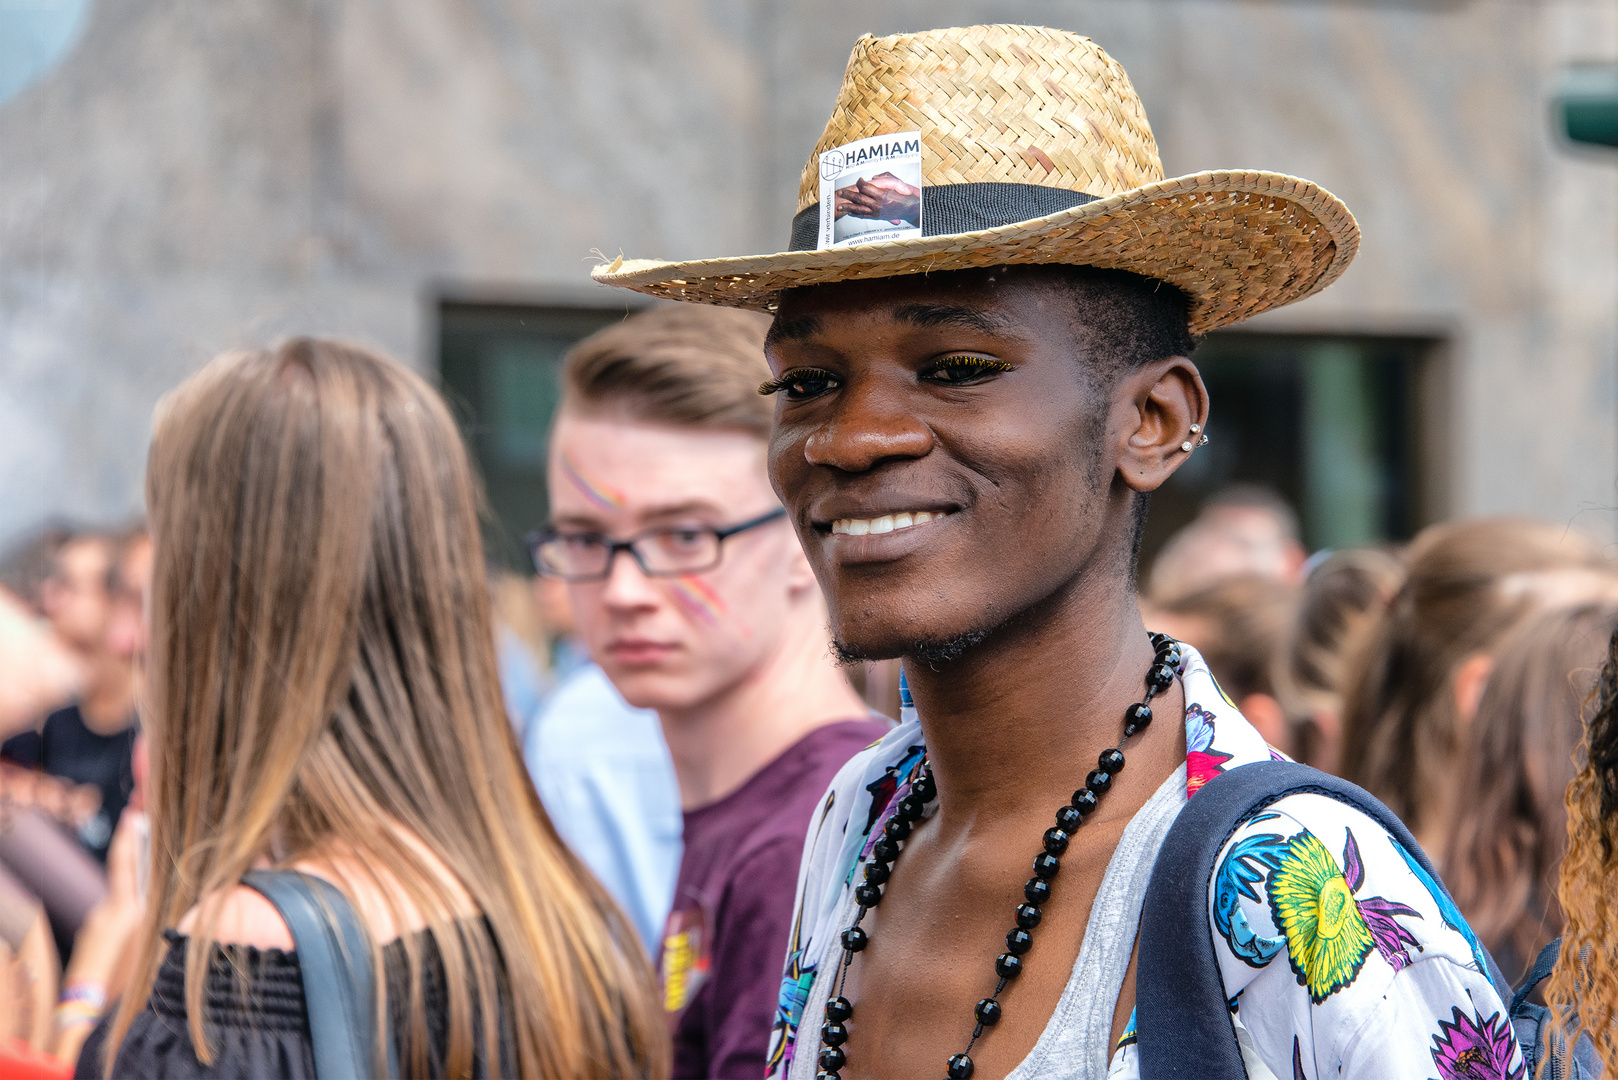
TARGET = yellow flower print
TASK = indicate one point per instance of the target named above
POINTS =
(1327, 939)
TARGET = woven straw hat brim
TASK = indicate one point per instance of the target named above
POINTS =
(1238, 243)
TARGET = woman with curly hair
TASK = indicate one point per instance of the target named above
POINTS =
(1583, 991)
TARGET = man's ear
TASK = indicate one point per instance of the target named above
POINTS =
(1470, 680)
(1159, 415)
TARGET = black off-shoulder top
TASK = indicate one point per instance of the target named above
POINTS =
(258, 1022)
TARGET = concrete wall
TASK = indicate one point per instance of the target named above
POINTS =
(198, 176)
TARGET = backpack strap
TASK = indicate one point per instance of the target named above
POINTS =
(1528, 1021)
(334, 956)
(1543, 966)
(1180, 998)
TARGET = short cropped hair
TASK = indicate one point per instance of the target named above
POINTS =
(1125, 320)
(683, 365)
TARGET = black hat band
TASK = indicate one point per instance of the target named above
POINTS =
(961, 208)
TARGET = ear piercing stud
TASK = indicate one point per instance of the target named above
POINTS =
(1188, 446)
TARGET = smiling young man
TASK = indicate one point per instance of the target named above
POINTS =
(962, 908)
(694, 596)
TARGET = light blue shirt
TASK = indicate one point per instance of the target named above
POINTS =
(522, 683)
(605, 776)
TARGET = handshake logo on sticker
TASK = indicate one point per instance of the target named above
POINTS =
(870, 190)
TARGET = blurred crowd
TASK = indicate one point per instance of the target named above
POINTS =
(73, 627)
(1451, 676)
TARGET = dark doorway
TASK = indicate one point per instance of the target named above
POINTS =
(501, 367)
(1330, 423)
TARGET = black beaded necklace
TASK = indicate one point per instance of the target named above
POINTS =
(896, 829)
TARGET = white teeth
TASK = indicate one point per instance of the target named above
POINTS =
(886, 524)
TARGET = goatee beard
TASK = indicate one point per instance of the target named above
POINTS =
(933, 653)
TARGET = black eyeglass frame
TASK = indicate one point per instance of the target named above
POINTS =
(539, 537)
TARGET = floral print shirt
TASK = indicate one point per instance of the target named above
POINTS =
(1340, 954)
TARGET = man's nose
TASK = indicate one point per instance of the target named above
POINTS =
(871, 423)
(627, 587)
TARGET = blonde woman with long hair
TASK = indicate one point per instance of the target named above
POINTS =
(324, 697)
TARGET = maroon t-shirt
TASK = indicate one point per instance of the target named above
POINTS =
(727, 932)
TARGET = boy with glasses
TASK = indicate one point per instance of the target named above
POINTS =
(695, 598)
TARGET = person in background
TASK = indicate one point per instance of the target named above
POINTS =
(1413, 685)
(1583, 989)
(1343, 594)
(695, 598)
(1505, 844)
(130, 583)
(37, 672)
(89, 741)
(323, 696)
(1239, 625)
(45, 1012)
(1243, 529)
(56, 882)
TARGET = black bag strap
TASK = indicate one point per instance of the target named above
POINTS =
(334, 956)
(1544, 964)
(1180, 998)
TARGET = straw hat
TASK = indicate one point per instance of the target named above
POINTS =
(1034, 148)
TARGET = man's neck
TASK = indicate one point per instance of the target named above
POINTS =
(719, 744)
(1018, 721)
(108, 706)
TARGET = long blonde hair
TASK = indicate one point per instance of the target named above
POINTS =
(323, 679)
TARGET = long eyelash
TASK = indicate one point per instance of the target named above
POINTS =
(775, 386)
(973, 361)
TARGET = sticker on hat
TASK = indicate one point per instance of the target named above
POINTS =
(870, 190)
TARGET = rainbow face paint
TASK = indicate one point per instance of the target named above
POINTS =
(699, 599)
(600, 495)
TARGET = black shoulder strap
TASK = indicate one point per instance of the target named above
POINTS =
(1544, 964)
(334, 956)
(1180, 998)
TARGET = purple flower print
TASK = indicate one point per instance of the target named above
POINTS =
(1473, 1048)
(1392, 939)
